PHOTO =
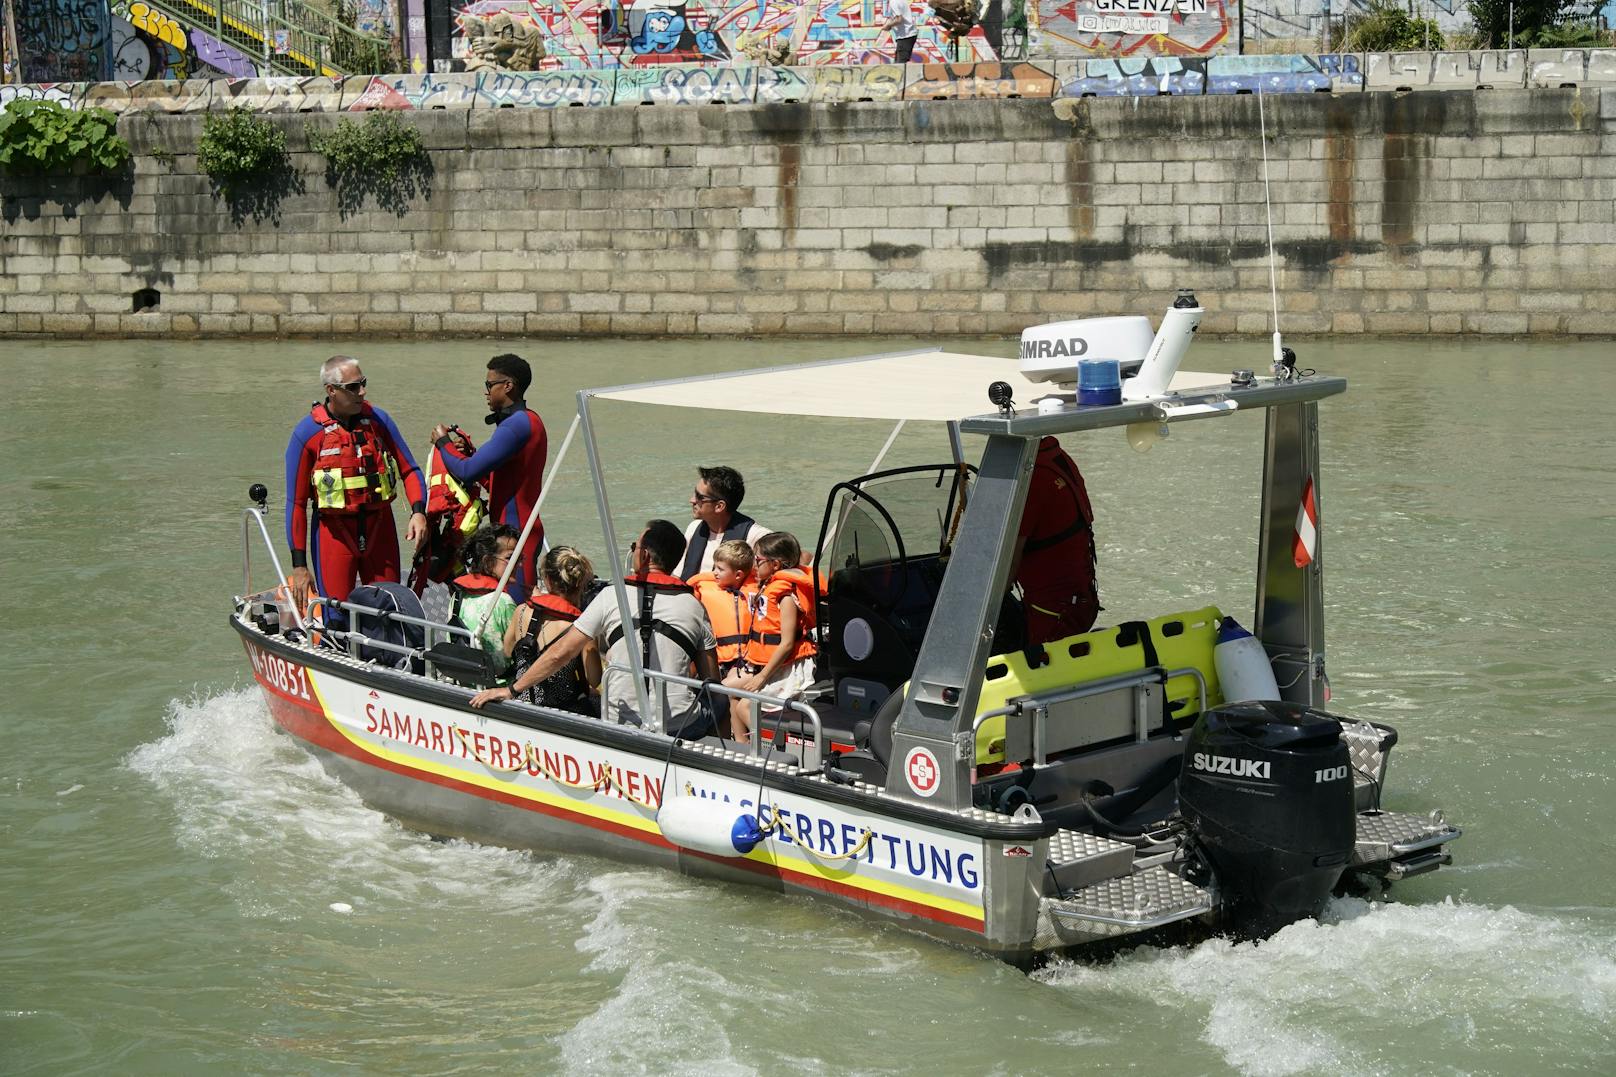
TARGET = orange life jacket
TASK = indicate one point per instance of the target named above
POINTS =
(352, 469)
(764, 635)
(730, 613)
(548, 607)
(446, 496)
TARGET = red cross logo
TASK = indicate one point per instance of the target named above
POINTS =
(921, 769)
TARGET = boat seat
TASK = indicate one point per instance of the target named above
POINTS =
(463, 664)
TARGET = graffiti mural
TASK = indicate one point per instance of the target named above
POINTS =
(1135, 27)
(64, 40)
(502, 42)
(137, 54)
(544, 89)
(645, 33)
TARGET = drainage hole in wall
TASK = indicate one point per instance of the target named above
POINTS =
(146, 299)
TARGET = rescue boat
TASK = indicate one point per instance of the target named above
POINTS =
(1020, 800)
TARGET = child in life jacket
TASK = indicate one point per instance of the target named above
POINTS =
(727, 593)
(478, 591)
(779, 654)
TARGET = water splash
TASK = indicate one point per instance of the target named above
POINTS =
(243, 791)
(1358, 989)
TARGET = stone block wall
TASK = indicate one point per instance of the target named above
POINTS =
(1426, 212)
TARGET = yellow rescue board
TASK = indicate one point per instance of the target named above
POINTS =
(1182, 640)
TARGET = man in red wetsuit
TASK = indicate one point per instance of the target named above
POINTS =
(510, 465)
(347, 458)
(1054, 558)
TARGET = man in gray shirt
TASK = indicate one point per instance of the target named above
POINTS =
(676, 636)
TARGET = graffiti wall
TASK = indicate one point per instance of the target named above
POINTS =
(645, 33)
(63, 40)
(1134, 27)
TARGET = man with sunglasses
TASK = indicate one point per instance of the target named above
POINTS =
(510, 465)
(347, 458)
(715, 518)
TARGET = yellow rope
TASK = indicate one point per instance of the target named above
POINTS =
(611, 779)
(466, 741)
(852, 854)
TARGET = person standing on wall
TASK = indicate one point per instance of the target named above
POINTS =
(900, 19)
(348, 458)
(510, 465)
(715, 518)
(1055, 555)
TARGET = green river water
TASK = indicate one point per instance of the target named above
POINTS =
(171, 861)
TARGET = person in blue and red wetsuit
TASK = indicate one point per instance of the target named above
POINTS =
(1054, 552)
(510, 465)
(347, 458)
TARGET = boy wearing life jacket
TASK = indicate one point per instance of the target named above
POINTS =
(779, 655)
(727, 593)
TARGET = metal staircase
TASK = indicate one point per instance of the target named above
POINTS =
(287, 37)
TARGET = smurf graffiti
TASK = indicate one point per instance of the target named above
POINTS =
(660, 31)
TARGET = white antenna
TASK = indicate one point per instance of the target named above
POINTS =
(1268, 207)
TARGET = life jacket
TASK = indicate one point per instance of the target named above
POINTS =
(764, 635)
(352, 468)
(696, 549)
(650, 584)
(453, 511)
(446, 496)
(1051, 456)
(730, 613)
(470, 585)
(546, 607)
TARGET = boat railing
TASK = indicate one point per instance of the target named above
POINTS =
(1038, 706)
(249, 516)
(813, 755)
(357, 640)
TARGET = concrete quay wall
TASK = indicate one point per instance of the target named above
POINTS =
(1425, 212)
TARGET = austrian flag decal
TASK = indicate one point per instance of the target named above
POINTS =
(1307, 527)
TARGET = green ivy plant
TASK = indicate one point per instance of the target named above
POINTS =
(238, 147)
(381, 156)
(40, 136)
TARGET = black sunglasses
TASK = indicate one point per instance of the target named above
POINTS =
(351, 386)
(697, 495)
(488, 386)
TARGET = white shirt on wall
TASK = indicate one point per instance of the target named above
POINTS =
(908, 26)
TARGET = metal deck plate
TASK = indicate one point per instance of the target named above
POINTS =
(1120, 906)
(1386, 836)
(1078, 859)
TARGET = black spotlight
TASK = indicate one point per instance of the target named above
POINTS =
(258, 494)
(999, 392)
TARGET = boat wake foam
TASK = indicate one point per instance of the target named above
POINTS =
(1372, 984)
(242, 791)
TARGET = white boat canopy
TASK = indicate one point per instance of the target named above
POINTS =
(933, 385)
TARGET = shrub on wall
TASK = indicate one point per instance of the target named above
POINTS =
(1386, 27)
(40, 136)
(1547, 24)
(381, 156)
(238, 148)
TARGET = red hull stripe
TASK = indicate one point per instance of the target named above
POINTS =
(304, 720)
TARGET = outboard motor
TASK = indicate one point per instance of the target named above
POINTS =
(1266, 788)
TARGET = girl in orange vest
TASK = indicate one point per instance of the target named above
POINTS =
(779, 654)
(727, 593)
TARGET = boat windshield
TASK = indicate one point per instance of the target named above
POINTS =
(892, 518)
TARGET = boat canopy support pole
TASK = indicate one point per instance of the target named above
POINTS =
(1290, 600)
(650, 720)
(875, 465)
(527, 527)
(938, 711)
